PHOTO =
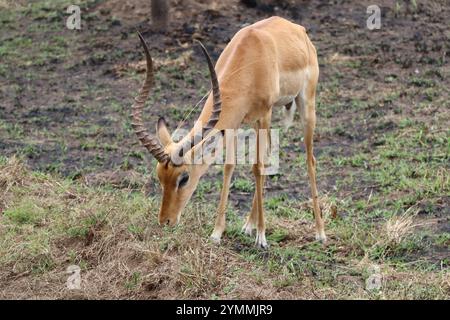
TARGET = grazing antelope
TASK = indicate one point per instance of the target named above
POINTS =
(269, 64)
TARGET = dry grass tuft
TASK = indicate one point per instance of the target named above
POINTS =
(12, 4)
(11, 174)
(327, 205)
(398, 227)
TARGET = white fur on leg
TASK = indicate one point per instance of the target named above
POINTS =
(261, 241)
(216, 237)
(248, 228)
(288, 114)
(321, 237)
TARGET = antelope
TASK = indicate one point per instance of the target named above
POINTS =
(269, 64)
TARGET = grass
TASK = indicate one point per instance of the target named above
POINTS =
(114, 233)
(11, 130)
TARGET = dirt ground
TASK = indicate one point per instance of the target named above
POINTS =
(382, 138)
(72, 104)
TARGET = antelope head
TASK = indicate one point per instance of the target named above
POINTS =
(178, 176)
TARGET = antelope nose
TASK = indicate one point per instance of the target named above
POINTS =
(164, 222)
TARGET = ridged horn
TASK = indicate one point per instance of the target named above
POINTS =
(216, 109)
(150, 142)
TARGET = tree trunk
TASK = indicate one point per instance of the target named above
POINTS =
(160, 14)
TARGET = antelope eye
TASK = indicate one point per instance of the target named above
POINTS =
(184, 178)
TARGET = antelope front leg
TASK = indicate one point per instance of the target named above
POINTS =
(220, 220)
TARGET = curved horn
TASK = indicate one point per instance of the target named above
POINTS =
(216, 109)
(217, 103)
(150, 142)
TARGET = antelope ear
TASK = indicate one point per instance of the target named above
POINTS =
(163, 132)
